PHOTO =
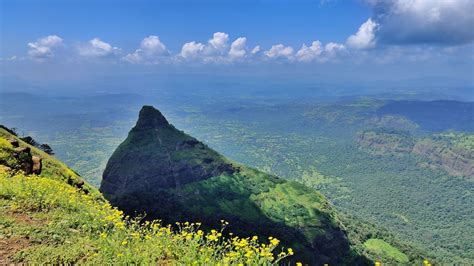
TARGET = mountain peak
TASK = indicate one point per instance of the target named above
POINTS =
(150, 117)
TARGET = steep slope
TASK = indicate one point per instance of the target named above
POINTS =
(167, 174)
(51, 216)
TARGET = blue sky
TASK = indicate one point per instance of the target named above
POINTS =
(177, 22)
(359, 40)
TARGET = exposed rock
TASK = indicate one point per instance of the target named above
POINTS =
(37, 165)
(453, 161)
(436, 154)
(14, 143)
(381, 143)
(23, 155)
(20, 150)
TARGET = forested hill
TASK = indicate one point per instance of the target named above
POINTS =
(167, 174)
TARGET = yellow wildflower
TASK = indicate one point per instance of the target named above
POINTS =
(290, 251)
(274, 241)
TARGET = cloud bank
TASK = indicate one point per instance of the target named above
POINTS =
(438, 22)
(397, 28)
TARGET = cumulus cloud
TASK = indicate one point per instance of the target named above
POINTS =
(424, 21)
(151, 50)
(192, 50)
(219, 41)
(216, 49)
(280, 51)
(237, 48)
(44, 47)
(332, 49)
(97, 48)
(307, 54)
(365, 36)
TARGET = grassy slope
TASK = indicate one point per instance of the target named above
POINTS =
(47, 219)
(382, 248)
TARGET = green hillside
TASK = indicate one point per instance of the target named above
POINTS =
(54, 217)
(161, 172)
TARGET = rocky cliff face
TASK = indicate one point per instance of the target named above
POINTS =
(435, 153)
(161, 171)
(454, 161)
(383, 143)
(155, 156)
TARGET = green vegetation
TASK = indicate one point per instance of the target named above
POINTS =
(312, 142)
(47, 220)
(382, 248)
(324, 153)
(185, 179)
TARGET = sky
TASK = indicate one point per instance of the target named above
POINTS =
(54, 42)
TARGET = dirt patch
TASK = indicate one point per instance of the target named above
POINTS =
(22, 218)
(9, 247)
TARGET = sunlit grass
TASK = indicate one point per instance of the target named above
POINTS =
(110, 237)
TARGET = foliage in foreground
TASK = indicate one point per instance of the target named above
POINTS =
(49, 219)
(71, 220)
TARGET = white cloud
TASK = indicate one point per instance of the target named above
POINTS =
(97, 48)
(219, 41)
(307, 54)
(280, 51)
(332, 48)
(424, 21)
(151, 51)
(237, 48)
(191, 50)
(365, 36)
(255, 50)
(44, 47)
(216, 49)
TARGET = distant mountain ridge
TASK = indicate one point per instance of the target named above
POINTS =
(437, 115)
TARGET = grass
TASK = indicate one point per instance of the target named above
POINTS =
(380, 247)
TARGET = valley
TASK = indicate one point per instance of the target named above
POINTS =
(314, 143)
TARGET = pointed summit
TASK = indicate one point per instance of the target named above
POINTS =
(149, 118)
(157, 156)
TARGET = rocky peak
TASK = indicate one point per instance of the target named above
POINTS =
(150, 118)
(157, 156)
